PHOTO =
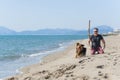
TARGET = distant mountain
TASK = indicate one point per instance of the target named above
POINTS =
(102, 29)
(6, 31)
(50, 32)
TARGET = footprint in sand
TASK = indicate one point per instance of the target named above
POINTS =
(106, 76)
(96, 78)
(28, 78)
(13, 78)
(82, 61)
(89, 58)
(83, 77)
(114, 63)
(61, 71)
(100, 66)
(68, 72)
(106, 56)
(115, 59)
(82, 67)
(41, 72)
(57, 73)
(102, 75)
(70, 75)
(108, 59)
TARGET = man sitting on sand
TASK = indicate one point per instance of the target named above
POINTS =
(95, 40)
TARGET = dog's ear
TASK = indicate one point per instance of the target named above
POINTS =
(82, 45)
(77, 43)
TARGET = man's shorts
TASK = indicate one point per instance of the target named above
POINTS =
(99, 50)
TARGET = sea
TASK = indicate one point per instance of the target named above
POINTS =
(17, 51)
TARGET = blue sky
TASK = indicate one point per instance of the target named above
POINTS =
(71, 14)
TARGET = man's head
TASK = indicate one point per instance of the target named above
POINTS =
(95, 30)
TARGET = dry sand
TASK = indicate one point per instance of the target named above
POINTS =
(64, 66)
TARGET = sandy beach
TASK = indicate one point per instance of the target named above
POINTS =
(64, 66)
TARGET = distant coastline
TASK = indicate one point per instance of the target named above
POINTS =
(102, 28)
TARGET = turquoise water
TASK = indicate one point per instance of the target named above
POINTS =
(17, 51)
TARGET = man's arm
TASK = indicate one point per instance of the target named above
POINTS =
(89, 42)
(103, 41)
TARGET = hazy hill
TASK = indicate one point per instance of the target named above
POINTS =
(102, 29)
(6, 31)
(51, 32)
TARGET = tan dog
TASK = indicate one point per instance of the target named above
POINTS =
(80, 50)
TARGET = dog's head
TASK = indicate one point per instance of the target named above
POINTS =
(81, 46)
(77, 44)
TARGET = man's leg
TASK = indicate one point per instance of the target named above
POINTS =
(100, 50)
(92, 51)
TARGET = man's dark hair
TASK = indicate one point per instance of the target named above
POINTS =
(96, 29)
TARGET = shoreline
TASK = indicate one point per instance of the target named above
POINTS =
(72, 68)
(62, 47)
(43, 60)
(57, 54)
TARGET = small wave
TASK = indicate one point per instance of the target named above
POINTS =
(36, 54)
(61, 47)
(18, 71)
(41, 53)
(9, 57)
(61, 44)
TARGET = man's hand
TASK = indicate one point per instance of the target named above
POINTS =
(103, 48)
(89, 42)
(103, 41)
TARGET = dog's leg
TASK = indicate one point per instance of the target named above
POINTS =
(76, 55)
